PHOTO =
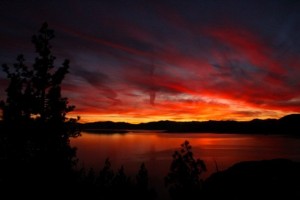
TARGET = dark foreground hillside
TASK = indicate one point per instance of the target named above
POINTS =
(267, 179)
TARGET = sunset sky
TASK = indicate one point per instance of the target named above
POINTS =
(150, 60)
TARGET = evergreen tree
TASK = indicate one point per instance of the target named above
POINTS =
(184, 178)
(35, 151)
(16, 108)
(35, 93)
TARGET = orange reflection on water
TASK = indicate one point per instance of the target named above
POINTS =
(156, 149)
(219, 151)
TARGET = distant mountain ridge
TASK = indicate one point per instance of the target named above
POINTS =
(289, 124)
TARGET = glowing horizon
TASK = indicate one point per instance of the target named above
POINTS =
(152, 113)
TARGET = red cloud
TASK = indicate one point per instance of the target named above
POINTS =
(247, 45)
(239, 69)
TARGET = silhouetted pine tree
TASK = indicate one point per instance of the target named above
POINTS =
(184, 178)
(35, 93)
(34, 136)
(16, 108)
(46, 81)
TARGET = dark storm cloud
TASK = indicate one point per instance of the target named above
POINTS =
(100, 81)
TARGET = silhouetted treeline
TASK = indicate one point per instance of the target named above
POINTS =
(108, 184)
(285, 125)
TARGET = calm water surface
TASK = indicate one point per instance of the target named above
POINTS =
(155, 149)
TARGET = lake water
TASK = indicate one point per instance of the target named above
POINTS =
(155, 149)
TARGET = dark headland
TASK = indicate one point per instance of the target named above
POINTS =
(265, 179)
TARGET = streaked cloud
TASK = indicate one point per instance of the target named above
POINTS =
(176, 60)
